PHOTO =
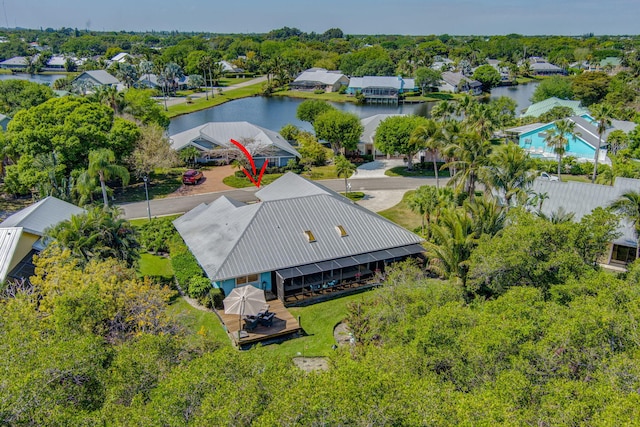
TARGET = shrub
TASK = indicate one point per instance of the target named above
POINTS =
(199, 287)
(216, 297)
(156, 234)
(318, 91)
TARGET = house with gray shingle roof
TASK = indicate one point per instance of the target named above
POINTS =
(213, 141)
(96, 78)
(21, 235)
(582, 198)
(301, 240)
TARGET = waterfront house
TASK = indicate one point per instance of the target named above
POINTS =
(319, 79)
(381, 89)
(300, 242)
(213, 141)
(543, 107)
(541, 67)
(370, 125)
(17, 63)
(97, 78)
(456, 82)
(21, 235)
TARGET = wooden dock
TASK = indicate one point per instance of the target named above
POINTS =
(284, 324)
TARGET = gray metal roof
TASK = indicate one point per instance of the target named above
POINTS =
(100, 76)
(253, 137)
(378, 81)
(320, 76)
(9, 237)
(230, 241)
(16, 60)
(582, 198)
(291, 185)
(38, 217)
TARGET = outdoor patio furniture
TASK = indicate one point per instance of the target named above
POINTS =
(250, 322)
(267, 319)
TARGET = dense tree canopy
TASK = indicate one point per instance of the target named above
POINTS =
(394, 136)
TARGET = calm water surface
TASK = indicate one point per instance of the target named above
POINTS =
(47, 79)
(275, 112)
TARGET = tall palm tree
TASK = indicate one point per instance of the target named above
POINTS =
(453, 241)
(465, 104)
(487, 215)
(344, 168)
(424, 201)
(602, 113)
(443, 111)
(557, 139)
(471, 155)
(629, 205)
(102, 166)
(510, 171)
(205, 64)
(429, 136)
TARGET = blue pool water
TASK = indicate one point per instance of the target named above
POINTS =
(535, 143)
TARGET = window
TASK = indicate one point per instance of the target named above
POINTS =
(243, 280)
(310, 237)
(341, 231)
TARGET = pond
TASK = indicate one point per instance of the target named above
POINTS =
(46, 79)
(520, 93)
(275, 112)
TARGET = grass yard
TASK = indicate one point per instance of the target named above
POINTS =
(198, 104)
(236, 182)
(195, 320)
(318, 321)
(402, 215)
(159, 186)
(576, 178)
(155, 266)
(403, 171)
(321, 172)
(331, 96)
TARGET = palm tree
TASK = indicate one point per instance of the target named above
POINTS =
(602, 113)
(424, 201)
(629, 205)
(102, 165)
(443, 111)
(205, 64)
(471, 155)
(344, 168)
(510, 171)
(453, 241)
(428, 136)
(465, 104)
(487, 215)
(189, 154)
(145, 67)
(556, 138)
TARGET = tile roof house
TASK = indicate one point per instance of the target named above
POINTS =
(319, 79)
(457, 82)
(299, 241)
(21, 234)
(582, 198)
(213, 140)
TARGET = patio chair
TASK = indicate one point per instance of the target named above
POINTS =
(267, 320)
(250, 323)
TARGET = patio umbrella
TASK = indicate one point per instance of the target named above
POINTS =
(247, 300)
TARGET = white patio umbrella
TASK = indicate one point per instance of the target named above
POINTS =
(247, 300)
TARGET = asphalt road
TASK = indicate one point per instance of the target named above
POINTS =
(177, 205)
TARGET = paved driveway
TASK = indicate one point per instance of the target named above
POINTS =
(376, 168)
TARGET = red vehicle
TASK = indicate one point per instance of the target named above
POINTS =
(192, 176)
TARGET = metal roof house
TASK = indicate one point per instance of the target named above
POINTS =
(543, 107)
(381, 89)
(370, 125)
(96, 78)
(15, 63)
(300, 241)
(582, 198)
(213, 140)
(319, 79)
(21, 234)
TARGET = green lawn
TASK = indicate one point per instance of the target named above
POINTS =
(236, 182)
(159, 186)
(402, 215)
(196, 320)
(354, 195)
(403, 171)
(202, 103)
(318, 321)
(321, 172)
(577, 178)
(154, 265)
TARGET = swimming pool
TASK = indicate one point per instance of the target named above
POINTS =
(535, 143)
